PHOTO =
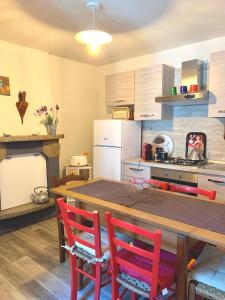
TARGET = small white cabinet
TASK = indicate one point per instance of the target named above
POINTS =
(216, 85)
(119, 89)
(135, 170)
(151, 82)
(213, 182)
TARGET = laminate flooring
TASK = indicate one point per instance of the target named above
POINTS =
(30, 267)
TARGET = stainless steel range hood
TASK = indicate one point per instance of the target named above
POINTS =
(192, 73)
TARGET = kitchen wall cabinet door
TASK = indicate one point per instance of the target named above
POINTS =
(213, 182)
(216, 85)
(119, 89)
(149, 83)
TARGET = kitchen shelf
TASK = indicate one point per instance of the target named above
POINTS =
(196, 98)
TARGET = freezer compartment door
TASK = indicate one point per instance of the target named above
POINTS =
(108, 133)
(107, 162)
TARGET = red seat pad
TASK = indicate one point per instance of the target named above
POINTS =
(167, 266)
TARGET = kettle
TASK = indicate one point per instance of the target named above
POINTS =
(40, 197)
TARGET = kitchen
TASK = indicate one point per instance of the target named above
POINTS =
(145, 61)
(188, 115)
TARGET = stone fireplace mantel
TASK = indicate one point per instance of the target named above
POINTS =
(29, 138)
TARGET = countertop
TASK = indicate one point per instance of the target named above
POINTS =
(212, 168)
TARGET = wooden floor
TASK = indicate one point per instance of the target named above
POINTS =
(30, 267)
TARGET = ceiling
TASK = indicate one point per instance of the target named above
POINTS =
(138, 27)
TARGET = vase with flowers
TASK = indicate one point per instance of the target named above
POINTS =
(49, 118)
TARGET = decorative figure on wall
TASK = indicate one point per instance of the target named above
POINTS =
(22, 104)
(4, 86)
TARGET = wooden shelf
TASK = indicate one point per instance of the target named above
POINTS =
(29, 138)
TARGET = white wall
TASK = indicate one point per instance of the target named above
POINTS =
(74, 89)
(172, 57)
(27, 70)
(49, 80)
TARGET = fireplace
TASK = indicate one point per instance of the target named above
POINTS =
(19, 176)
(41, 151)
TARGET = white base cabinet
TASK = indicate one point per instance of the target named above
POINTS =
(135, 170)
(213, 182)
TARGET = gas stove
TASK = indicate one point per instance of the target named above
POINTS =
(183, 161)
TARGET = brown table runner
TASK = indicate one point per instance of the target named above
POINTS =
(189, 210)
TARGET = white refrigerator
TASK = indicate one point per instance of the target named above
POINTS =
(114, 141)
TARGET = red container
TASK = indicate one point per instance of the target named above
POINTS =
(147, 151)
(193, 88)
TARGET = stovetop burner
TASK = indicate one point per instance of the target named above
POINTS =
(183, 161)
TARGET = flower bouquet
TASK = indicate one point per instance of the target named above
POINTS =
(49, 118)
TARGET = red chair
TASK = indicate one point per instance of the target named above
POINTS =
(192, 190)
(139, 267)
(85, 244)
(160, 184)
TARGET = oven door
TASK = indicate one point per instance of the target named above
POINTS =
(175, 176)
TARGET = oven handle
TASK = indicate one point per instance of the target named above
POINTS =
(216, 181)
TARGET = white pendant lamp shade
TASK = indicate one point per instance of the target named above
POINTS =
(93, 38)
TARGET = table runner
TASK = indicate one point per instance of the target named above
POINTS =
(189, 210)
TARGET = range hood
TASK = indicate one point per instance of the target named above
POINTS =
(192, 73)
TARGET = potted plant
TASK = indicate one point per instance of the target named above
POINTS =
(49, 118)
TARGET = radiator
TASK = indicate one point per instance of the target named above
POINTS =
(19, 175)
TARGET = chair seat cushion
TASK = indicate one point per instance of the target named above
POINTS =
(104, 242)
(90, 238)
(210, 269)
(167, 266)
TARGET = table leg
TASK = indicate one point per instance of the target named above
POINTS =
(182, 262)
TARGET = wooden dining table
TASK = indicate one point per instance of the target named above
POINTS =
(179, 216)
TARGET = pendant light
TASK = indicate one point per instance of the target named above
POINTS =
(93, 38)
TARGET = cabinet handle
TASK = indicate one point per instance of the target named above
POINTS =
(136, 169)
(222, 111)
(119, 101)
(166, 172)
(146, 115)
(189, 96)
(216, 181)
(180, 175)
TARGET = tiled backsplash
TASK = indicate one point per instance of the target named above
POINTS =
(187, 119)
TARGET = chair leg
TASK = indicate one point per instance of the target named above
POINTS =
(62, 253)
(97, 281)
(73, 274)
(132, 296)
(115, 289)
(80, 276)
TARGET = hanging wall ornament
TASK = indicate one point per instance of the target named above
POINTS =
(22, 104)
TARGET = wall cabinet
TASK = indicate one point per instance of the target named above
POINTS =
(216, 85)
(213, 182)
(135, 170)
(119, 89)
(151, 82)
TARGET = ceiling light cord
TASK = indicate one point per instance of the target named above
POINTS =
(93, 17)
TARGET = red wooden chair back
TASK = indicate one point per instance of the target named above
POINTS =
(118, 262)
(70, 214)
(161, 184)
(193, 190)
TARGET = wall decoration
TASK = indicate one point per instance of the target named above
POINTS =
(22, 104)
(4, 86)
